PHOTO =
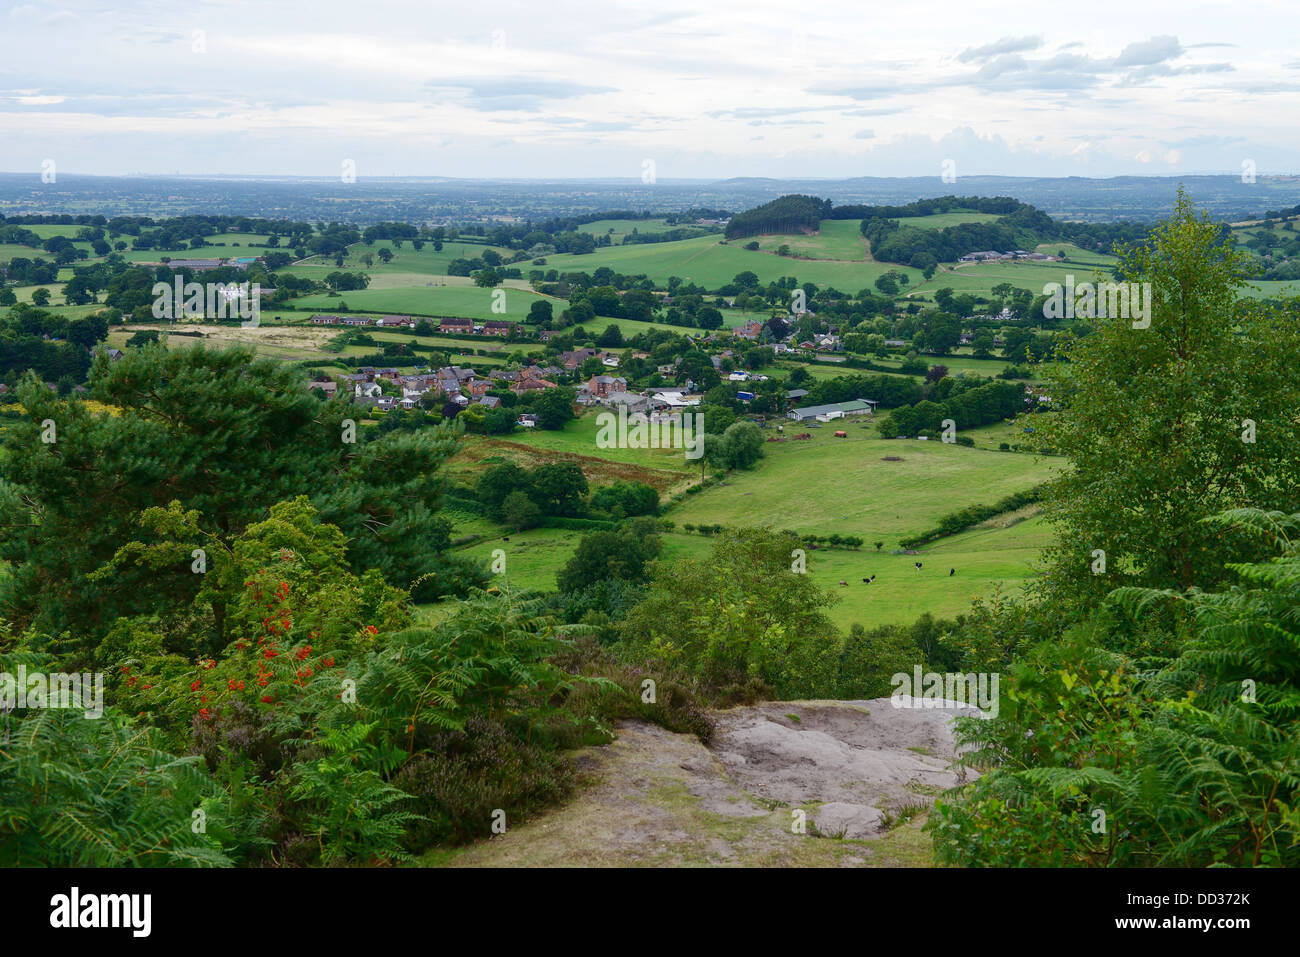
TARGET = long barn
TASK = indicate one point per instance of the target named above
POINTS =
(833, 411)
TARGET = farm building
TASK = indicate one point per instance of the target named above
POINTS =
(834, 410)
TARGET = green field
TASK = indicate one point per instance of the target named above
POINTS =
(616, 229)
(959, 362)
(978, 279)
(984, 560)
(425, 262)
(819, 486)
(306, 342)
(942, 220)
(447, 296)
(827, 485)
(49, 232)
(665, 469)
(711, 263)
(835, 239)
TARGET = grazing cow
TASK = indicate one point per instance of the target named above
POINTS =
(951, 572)
(866, 581)
(918, 565)
(843, 583)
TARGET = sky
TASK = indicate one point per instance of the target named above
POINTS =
(667, 90)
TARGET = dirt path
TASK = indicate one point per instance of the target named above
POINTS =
(862, 773)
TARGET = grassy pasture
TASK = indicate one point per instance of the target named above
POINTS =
(978, 279)
(942, 220)
(290, 343)
(425, 262)
(836, 239)
(447, 296)
(50, 231)
(984, 560)
(665, 469)
(853, 491)
(826, 485)
(713, 263)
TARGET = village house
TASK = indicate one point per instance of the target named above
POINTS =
(497, 328)
(325, 384)
(530, 384)
(414, 386)
(600, 387)
(322, 320)
(456, 325)
(397, 322)
(452, 380)
(575, 358)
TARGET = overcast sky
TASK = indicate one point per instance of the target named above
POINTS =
(703, 89)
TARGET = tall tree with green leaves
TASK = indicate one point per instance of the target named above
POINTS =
(225, 434)
(1166, 424)
(743, 617)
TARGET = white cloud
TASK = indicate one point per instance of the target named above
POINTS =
(585, 88)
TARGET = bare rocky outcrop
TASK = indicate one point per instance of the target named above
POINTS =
(861, 771)
(860, 759)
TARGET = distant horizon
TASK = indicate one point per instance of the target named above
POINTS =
(633, 180)
(580, 90)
